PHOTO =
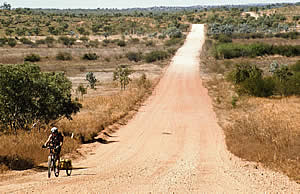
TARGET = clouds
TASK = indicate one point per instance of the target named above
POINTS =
(129, 3)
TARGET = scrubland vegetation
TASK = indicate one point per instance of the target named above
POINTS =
(90, 72)
(252, 73)
(250, 66)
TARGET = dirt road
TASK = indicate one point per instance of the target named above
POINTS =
(173, 144)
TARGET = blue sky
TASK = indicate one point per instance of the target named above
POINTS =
(128, 3)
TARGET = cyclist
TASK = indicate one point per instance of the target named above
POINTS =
(56, 140)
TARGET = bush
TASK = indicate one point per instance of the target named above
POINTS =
(232, 50)
(134, 40)
(64, 56)
(296, 67)
(173, 41)
(3, 41)
(26, 41)
(41, 41)
(84, 39)
(121, 43)
(134, 56)
(293, 85)
(156, 56)
(94, 43)
(11, 42)
(32, 58)
(172, 51)
(90, 56)
(150, 43)
(223, 38)
(258, 86)
(49, 41)
(67, 41)
(288, 87)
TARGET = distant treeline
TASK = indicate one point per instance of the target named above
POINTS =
(160, 9)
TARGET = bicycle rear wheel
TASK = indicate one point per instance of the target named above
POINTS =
(69, 170)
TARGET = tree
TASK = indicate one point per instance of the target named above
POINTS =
(6, 6)
(28, 95)
(90, 77)
(81, 90)
(121, 74)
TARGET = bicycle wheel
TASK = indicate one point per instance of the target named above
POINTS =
(56, 168)
(49, 166)
(69, 170)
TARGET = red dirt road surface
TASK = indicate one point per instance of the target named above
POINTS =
(173, 144)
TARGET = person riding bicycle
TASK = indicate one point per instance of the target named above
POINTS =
(55, 140)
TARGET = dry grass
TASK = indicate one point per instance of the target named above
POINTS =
(23, 151)
(101, 111)
(270, 134)
(257, 129)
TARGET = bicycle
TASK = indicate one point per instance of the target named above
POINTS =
(53, 163)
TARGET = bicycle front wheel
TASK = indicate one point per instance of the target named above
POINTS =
(49, 166)
(56, 168)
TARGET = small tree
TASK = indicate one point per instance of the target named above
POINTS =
(121, 74)
(81, 90)
(90, 77)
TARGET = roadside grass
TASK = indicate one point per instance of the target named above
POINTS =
(263, 130)
(24, 151)
(101, 111)
(270, 134)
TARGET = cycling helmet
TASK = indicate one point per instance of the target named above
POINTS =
(54, 130)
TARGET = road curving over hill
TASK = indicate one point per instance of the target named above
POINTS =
(173, 144)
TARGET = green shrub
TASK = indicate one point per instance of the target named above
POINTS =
(223, 38)
(84, 39)
(162, 36)
(121, 43)
(105, 42)
(11, 42)
(293, 85)
(172, 51)
(49, 41)
(231, 50)
(156, 56)
(134, 40)
(26, 41)
(32, 58)
(296, 67)
(41, 41)
(150, 43)
(94, 43)
(173, 41)
(90, 56)
(243, 72)
(64, 56)
(67, 41)
(258, 86)
(3, 41)
(134, 56)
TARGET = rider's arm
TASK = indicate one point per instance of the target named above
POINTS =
(48, 140)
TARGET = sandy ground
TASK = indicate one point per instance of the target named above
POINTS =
(173, 145)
